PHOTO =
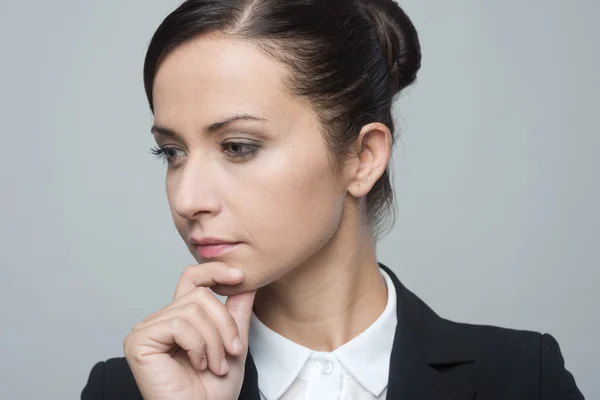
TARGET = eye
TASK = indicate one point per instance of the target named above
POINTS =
(239, 150)
(167, 154)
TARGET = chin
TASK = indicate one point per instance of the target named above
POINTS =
(258, 272)
(255, 278)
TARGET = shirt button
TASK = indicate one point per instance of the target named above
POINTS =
(327, 367)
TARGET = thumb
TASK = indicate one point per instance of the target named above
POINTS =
(240, 307)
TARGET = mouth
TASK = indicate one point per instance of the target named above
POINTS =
(210, 247)
(214, 250)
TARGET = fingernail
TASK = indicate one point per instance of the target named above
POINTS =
(224, 366)
(237, 344)
(203, 363)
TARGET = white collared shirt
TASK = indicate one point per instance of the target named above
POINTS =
(358, 370)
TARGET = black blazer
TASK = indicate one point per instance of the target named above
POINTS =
(432, 359)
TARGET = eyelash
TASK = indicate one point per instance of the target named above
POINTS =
(161, 152)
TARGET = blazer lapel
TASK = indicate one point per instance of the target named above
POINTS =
(250, 385)
(425, 345)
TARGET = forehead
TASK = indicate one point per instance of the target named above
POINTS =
(215, 74)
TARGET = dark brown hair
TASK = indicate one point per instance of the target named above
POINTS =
(350, 58)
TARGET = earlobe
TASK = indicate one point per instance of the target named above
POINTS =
(374, 144)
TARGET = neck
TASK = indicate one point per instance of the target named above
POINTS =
(328, 300)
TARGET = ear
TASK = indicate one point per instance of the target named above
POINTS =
(374, 147)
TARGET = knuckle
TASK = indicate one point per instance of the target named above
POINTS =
(188, 271)
(231, 325)
(199, 294)
(136, 356)
(178, 323)
(128, 342)
(193, 308)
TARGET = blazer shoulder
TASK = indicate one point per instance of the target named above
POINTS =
(514, 355)
(495, 339)
(556, 381)
(111, 379)
(94, 388)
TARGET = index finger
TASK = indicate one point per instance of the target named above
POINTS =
(207, 275)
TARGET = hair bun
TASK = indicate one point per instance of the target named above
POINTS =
(399, 41)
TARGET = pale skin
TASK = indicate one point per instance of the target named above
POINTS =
(305, 262)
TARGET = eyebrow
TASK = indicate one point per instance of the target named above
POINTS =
(212, 128)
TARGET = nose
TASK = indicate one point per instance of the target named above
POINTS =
(194, 192)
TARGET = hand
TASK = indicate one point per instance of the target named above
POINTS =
(188, 349)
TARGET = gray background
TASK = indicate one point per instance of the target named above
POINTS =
(496, 177)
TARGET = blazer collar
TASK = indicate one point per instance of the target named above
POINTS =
(424, 346)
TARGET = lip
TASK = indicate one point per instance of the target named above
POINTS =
(209, 247)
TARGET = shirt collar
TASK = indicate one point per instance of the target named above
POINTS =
(367, 356)
(279, 360)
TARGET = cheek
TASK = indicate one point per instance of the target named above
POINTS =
(293, 201)
(289, 211)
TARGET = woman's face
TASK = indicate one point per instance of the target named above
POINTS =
(247, 159)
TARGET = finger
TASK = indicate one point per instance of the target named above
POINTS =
(199, 276)
(212, 306)
(214, 344)
(207, 275)
(194, 314)
(240, 307)
(162, 336)
(222, 319)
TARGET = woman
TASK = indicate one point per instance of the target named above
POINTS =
(275, 120)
